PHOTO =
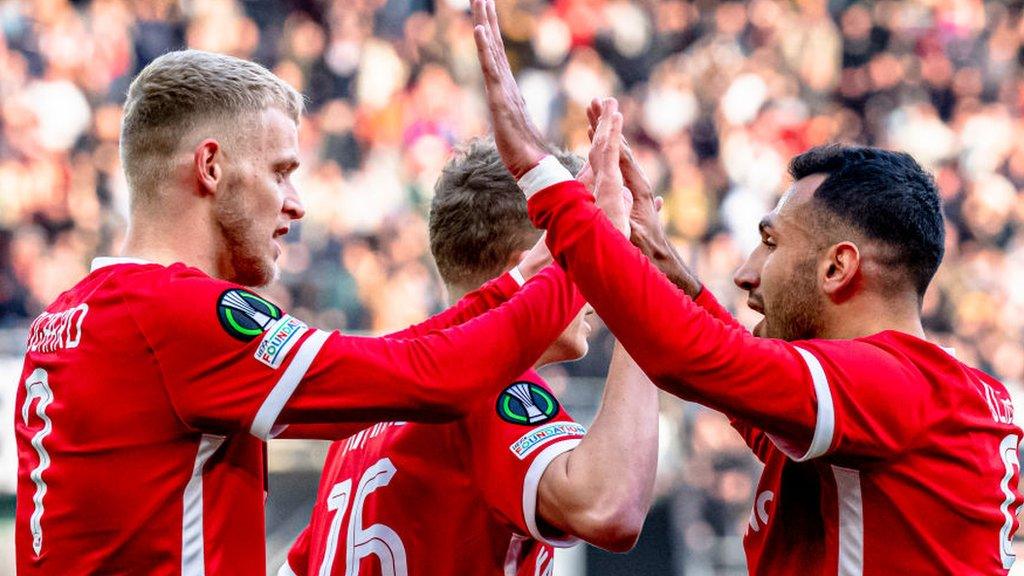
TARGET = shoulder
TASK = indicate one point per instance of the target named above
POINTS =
(527, 401)
(879, 353)
(180, 298)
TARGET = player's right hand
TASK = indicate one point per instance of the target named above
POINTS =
(646, 232)
(611, 195)
(518, 141)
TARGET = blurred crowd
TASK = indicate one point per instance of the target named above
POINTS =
(717, 97)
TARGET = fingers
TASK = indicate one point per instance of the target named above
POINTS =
(586, 177)
(487, 37)
(594, 112)
(492, 18)
(484, 49)
(604, 154)
(614, 135)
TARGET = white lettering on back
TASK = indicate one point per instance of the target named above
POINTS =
(50, 332)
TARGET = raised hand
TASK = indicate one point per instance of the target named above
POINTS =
(645, 230)
(612, 197)
(518, 141)
(536, 258)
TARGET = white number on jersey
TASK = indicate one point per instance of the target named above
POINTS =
(1008, 454)
(37, 387)
(375, 540)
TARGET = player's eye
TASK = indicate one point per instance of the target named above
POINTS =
(768, 241)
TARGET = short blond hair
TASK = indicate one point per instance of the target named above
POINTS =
(181, 91)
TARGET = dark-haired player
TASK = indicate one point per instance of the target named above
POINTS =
(883, 453)
(495, 491)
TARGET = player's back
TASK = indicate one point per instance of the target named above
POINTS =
(935, 494)
(439, 499)
(110, 479)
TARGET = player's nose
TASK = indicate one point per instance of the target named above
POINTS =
(293, 206)
(748, 276)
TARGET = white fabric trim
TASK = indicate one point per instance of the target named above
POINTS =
(825, 422)
(286, 570)
(104, 261)
(532, 480)
(515, 548)
(267, 415)
(548, 172)
(851, 521)
(193, 560)
(517, 275)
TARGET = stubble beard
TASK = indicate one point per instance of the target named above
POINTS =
(242, 243)
(797, 312)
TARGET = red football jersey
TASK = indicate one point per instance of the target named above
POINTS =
(148, 391)
(884, 454)
(408, 499)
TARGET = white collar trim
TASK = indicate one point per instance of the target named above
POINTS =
(104, 261)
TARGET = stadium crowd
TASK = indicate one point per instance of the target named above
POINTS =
(717, 97)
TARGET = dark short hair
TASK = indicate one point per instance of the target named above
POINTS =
(478, 216)
(887, 197)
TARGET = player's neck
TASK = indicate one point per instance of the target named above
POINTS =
(870, 315)
(167, 240)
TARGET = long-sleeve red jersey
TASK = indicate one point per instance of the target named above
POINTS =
(148, 391)
(884, 454)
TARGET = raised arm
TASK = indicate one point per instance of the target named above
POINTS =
(488, 296)
(601, 490)
(680, 346)
(437, 376)
(282, 372)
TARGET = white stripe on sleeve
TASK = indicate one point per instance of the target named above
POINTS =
(825, 422)
(530, 483)
(267, 415)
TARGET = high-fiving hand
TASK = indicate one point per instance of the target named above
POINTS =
(518, 141)
(645, 230)
(645, 227)
(612, 197)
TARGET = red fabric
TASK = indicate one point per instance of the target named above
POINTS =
(915, 433)
(454, 501)
(153, 377)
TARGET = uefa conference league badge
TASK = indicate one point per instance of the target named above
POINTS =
(245, 315)
(527, 404)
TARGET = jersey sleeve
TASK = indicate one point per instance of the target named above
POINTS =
(809, 397)
(511, 440)
(297, 562)
(492, 294)
(753, 436)
(233, 361)
(488, 296)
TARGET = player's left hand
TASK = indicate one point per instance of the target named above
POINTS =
(645, 227)
(518, 141)
(614, 199)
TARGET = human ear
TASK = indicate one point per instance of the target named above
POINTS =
(841, 269)
(206, 163)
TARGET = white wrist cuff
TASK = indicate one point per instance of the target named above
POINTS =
(548, 172)
(517, 275)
